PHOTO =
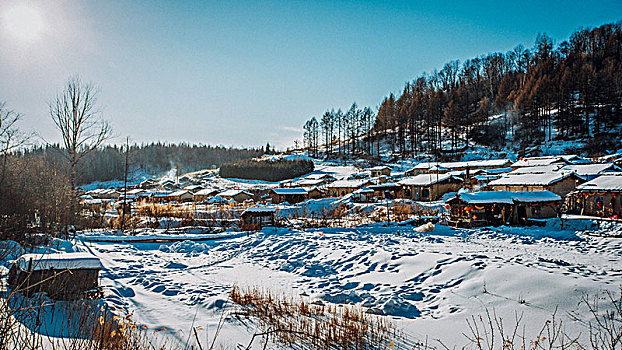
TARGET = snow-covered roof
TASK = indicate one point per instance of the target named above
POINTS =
(605, 182)
(385, 185)
(179, 193)
(508, 197)
(476, 163)
(538, 161)
(579, 169)
(135, 191)
(58, 261)
(260, 210)
(292, 190)
(233, 193)
(364, 190)
(379, 168)
(575, 159)
(537, 169)
(205, 192)
(423, 165)
(590, 169)
(438, 168)
(348, 184)
(424, 179)
(530, 179)
(310, 182)
(498, 171)
(318, 176)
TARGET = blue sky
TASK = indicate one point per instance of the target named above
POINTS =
(246, 73)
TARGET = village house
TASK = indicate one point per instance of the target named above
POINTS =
(204, 194)
(160, 196)
(601, 196)
(290, 195)
(379, 170)
(488, 164)
(104, 193)
(167, 184)
(386, 190)
(363, 195)
(343, 187)
(421, 168)
(62, 275)
(558, 183)
(236, 195)
(257, 217)
(466, 166)
(428, 187)
(586, 171)
(539, 161)
(309, 182)
(502, 207)
(181, 196)
(148, 184)
(194, 188)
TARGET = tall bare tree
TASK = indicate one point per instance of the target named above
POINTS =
(11, 137)
(76, 116)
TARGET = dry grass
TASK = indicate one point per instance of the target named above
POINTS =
(292, 321)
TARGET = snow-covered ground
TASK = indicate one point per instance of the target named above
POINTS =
(428, 284)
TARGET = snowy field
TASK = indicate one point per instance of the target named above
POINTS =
(427, 284)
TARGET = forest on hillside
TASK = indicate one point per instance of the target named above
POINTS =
(108, 162)
(566, 91)
(266, 170)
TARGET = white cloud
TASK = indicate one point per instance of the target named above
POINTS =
(291, 129)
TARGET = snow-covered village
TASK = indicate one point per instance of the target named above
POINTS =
(152, 196)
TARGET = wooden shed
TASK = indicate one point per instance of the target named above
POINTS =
(290, 195)
(493, 208)
(60, 275)
(257, 217)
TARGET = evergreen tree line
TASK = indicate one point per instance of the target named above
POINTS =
(572, 90)
(108, 162)
(342, 133)
(266, 170)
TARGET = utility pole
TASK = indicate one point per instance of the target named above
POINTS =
(124, 206)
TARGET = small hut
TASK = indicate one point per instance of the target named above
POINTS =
(363, 195)
(290, 195)
(378, 171)
(61, 275)
(258, 217)
(493, 208)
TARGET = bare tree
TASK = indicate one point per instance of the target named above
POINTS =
(75, 115)
(10, 136)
